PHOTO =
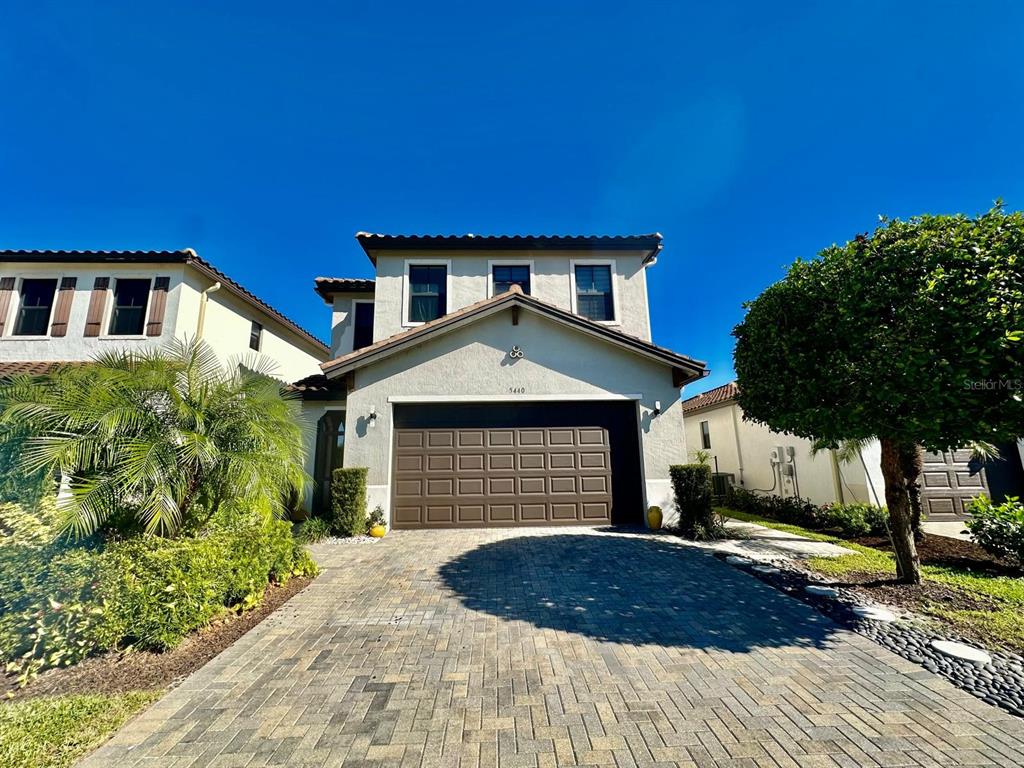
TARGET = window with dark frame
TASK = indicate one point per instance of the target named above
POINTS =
(36, 304)
(128, 317)
(255, 336)
(594, 292)
(705, 435)
(428, 292)
(507, 275)
(362, 334)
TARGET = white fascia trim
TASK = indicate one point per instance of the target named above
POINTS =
(447, 264)
(401, 399)
(616, 310)
(492, 263)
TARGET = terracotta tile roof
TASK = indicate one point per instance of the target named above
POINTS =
(372, 242)
(716, 396)
(31, 367)
(184, 256)
(326, 286)
(515, 296)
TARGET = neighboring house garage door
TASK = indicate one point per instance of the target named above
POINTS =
(950, 480)
(510, 465)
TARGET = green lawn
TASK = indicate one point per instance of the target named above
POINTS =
(53, 732)
(1002, 625)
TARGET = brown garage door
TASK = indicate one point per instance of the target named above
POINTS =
(501, 477)
(950, 481)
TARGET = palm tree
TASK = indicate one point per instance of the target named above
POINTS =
(164, 439)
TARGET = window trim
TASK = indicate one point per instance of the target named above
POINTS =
(15, 311)
(492, 263)
(610, 263)
(705, 435)
(108, 310)
(354, 302)
(407, 296)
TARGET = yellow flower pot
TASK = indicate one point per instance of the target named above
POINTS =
(654, 518)
(378, 531)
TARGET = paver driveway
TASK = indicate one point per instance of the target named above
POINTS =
(545, 647)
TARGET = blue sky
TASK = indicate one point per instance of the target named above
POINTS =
(265, 135)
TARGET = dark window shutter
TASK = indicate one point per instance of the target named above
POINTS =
(6, 291)
(157, 305)
(97, 303)
(61, 313)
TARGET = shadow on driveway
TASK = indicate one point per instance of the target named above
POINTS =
(631, 590)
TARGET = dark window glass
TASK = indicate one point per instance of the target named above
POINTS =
(36, 303)
(427, 292)
(129, 315)
(513, 274)
(594, 291)
(705, 435)
(363, 327)
(255, 336)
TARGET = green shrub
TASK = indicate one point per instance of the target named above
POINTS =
(60, 603)
(794, 511)
(312, 530)
(856, 519)
(998, 528)
(691, 485)
(348, 501)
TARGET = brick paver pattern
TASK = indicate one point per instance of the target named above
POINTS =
(547, 647)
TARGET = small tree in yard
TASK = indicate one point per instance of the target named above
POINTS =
(913, 334)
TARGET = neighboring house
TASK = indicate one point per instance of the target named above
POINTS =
(749, 453)
(67, 306)
(502, 381)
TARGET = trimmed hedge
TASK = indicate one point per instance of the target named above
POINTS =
(849, 520)
(691, 485)
(61, 603)
(998, 528)
(348, 501)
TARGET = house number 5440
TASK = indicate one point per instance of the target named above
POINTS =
(517, 390)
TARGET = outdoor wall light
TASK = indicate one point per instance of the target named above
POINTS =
(657, 407)
(372, 418)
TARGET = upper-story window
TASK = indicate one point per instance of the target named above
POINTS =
(36, 304)
(594, 295)
(428, 292)
(128, 317)
(705, 435)
(255, 336)
(362, 324)
(507, 275)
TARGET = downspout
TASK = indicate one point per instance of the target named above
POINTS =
(203, 298)
(736, 435)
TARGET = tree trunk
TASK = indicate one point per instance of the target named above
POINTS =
(897, 499)
(913, 465)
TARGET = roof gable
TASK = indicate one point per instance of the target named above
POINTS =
(515, 300)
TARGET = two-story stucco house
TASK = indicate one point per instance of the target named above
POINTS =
(67, 306)
(488, 380)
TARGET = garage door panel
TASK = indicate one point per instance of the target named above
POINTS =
(949, 482)
(501, 476)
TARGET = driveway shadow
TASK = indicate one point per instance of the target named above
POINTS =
(626, 589)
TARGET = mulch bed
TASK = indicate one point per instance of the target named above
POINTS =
(955, 553)
(149, 670)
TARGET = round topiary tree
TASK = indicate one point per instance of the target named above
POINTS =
(913, 334)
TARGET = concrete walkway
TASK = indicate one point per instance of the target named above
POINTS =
(951, 530)
(768, 545)
(546, 647)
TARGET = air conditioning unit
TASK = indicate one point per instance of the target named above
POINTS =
(721, 482)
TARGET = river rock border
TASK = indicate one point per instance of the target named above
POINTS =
(999, 683)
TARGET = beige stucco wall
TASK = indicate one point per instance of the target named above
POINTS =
(75, 345)
(343, 321)
(227, 326)
(551, 282)
(471, 363)
(743, 448)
